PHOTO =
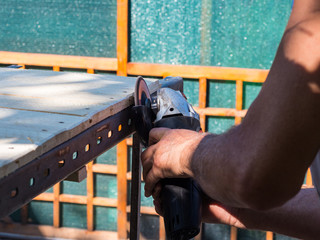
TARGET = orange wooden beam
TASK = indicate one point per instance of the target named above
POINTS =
(104, 168)
(66, 61)
(239, 99)
(221, 112)
(122, 158)
(122, 153)
(269, 235)
(105, 202)
(56, 68)
(192, 71)
(203, 101)
(162, 231)
(90, 187)
(122, 36)
(90, 71)
(48, 197)
(309, 178)
(233, 233)
(56, 205)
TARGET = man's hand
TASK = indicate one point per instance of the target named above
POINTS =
(168, 156)
(212, 211)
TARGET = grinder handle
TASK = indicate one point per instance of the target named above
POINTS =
(180, 197)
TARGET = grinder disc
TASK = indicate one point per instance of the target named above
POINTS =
(141, 93)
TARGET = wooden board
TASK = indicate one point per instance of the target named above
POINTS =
(42, 109)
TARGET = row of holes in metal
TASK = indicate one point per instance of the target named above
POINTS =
(61, 163)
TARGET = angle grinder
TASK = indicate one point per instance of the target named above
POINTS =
(180, 197)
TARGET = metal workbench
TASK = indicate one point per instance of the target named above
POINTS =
(53, 123)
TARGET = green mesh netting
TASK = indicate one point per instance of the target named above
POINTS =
(80, 27)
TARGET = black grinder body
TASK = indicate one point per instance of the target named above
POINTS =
(180, 197)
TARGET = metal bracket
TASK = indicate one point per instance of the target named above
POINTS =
(77, 176)
(135, 189)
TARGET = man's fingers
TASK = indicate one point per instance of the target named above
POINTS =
(147, 160)
(156, 191)
(156, 134)
(158, 208)
(151, 180)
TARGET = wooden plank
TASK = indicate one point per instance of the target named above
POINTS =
(239, 100)
(309, 178)
(66, 61)
(162, 231)
(69, 198)
(202, 101)
(221, 112)
(269, 235)
(47, 197)
(90, 194)
(106, 202)
(42, 109)
(192, 71)
(90, 70)
(122, 36)
(56, 205)
(77, 94)
(22, 134)
(122, 158)
(52, 232)
(104, 168)
(56, 68)
(233, 233)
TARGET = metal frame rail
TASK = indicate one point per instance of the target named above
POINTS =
(21, 186)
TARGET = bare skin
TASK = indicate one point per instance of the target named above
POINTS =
(296, 218)
(260, 164)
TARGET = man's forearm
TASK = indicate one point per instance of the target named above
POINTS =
(299, 217)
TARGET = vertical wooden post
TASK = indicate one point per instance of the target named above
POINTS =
(56, 205)
(202, 101)
(122, 56)
(239, 99)
(309, 178)
(122, 158)
(90, 224)
(233, 233)
(90, 70)
(135, 189)
(269, 235)
(162, 231)
(56, 68)
(202, 104)
(122, 36)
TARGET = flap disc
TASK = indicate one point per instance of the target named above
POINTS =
(141, 93)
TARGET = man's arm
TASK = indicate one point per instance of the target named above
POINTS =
(298, 218)
(261, 163)
(269, 153)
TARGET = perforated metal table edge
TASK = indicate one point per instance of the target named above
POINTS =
(21, 186)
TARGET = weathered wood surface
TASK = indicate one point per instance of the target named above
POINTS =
(42, 109)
